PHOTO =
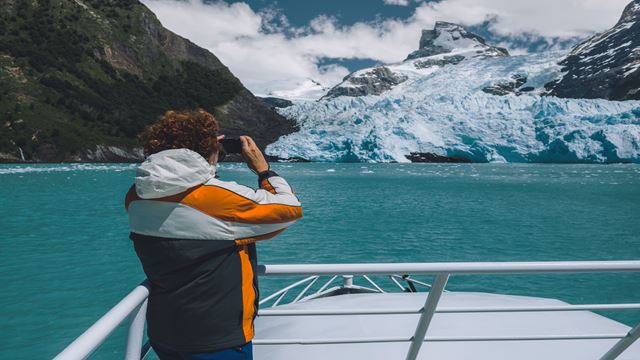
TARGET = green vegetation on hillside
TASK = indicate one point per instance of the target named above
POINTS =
(75, 74)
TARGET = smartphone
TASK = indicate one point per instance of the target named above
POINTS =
(231, 146)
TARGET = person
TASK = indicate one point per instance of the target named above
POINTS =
(195, 237)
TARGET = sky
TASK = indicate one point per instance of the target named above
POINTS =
(282, 48)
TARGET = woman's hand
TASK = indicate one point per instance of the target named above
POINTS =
(252, 155)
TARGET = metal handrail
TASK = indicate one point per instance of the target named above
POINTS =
(453, 310)
(134, 305)
(131, 305)
(451, 268)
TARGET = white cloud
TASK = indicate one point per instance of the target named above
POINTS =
(269, 61)
(551, 18)
(271, 56)
(397, 2)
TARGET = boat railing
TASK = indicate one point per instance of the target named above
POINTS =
(133, 306)
(277, 297)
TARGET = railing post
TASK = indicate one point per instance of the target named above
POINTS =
(427, 314)
(136, 332)
(622, 344)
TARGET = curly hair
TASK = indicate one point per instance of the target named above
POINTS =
(194, 130)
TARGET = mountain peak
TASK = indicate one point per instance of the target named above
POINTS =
(446, 44)
(606, 65)
(631, 12)
(446, 37)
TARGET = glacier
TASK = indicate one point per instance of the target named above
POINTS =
(443, 110)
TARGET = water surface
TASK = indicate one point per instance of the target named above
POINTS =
(66, 257)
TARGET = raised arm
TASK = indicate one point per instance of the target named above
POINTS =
(275, 206)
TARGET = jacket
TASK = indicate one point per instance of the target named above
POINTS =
(195, 236)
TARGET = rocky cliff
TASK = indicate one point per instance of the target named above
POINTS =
(605, 66)
(79, 80)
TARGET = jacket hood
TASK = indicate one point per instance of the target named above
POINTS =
(171, 172)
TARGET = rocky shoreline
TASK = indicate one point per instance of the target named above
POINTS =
(114, 154)
(425, 158)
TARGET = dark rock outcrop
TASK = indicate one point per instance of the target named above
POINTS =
(605, 66)
(511, 86)
(367, 82)
(275, 102)
(104, 153)
(296, 159)
(445, 60)
(419, 157)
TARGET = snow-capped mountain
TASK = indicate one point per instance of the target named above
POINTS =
(447, 106)
(607, 65)
(446, 44)
(453, 39)
(307, 89)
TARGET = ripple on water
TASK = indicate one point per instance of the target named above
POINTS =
(66, 257)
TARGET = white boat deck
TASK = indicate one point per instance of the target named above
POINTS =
(444, 326)
(356, 322)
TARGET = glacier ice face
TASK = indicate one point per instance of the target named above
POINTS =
(444, 111)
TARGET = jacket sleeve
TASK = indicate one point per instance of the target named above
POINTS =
(275, 191)
(265, 212)
(271, 182)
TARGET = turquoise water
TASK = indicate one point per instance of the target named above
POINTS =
(66, 258)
